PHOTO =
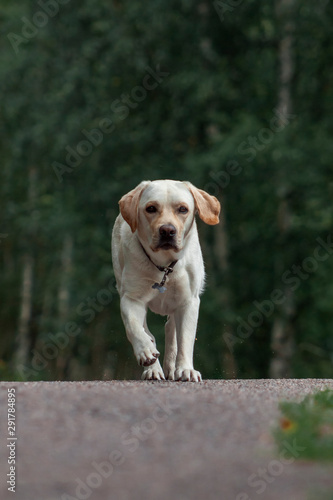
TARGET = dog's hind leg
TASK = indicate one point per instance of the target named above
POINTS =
(170, 355)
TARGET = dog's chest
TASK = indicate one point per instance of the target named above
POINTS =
(166, 302)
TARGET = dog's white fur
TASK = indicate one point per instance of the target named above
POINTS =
(135, 273)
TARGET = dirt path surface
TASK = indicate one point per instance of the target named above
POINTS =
(155, 440)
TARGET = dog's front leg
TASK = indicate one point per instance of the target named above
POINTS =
(186, 318)
(133, 313)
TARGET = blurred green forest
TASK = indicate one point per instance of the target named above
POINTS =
(234, 96)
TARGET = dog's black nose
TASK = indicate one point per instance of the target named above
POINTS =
(168, 231)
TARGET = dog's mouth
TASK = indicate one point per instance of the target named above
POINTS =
(167, 245)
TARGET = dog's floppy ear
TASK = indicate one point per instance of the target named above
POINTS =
(129, 205)
(208, 206)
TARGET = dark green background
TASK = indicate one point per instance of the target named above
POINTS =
(204, 118)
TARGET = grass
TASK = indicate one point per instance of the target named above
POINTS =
(309, 424)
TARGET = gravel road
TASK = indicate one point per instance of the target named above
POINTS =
(155, 440)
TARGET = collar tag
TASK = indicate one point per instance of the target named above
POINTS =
(166, 270)
(159, 287)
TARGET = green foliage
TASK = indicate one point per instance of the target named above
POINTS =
(309, 424)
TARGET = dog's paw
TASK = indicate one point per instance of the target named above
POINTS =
(147, 355)
(169, 373)
(188, 375)
(153, 372)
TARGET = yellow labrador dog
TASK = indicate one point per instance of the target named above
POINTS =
(158, 264)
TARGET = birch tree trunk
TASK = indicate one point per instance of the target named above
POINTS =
(23, 340)
(282, 337)
(23, 330)
(221, 251)
(64, 299)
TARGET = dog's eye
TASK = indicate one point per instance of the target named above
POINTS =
(151, 209)
(183, 210)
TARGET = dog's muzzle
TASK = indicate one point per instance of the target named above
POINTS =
(167, 239)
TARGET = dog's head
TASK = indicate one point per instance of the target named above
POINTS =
(163, 212)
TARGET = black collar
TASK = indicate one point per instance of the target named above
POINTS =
(166, 270)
